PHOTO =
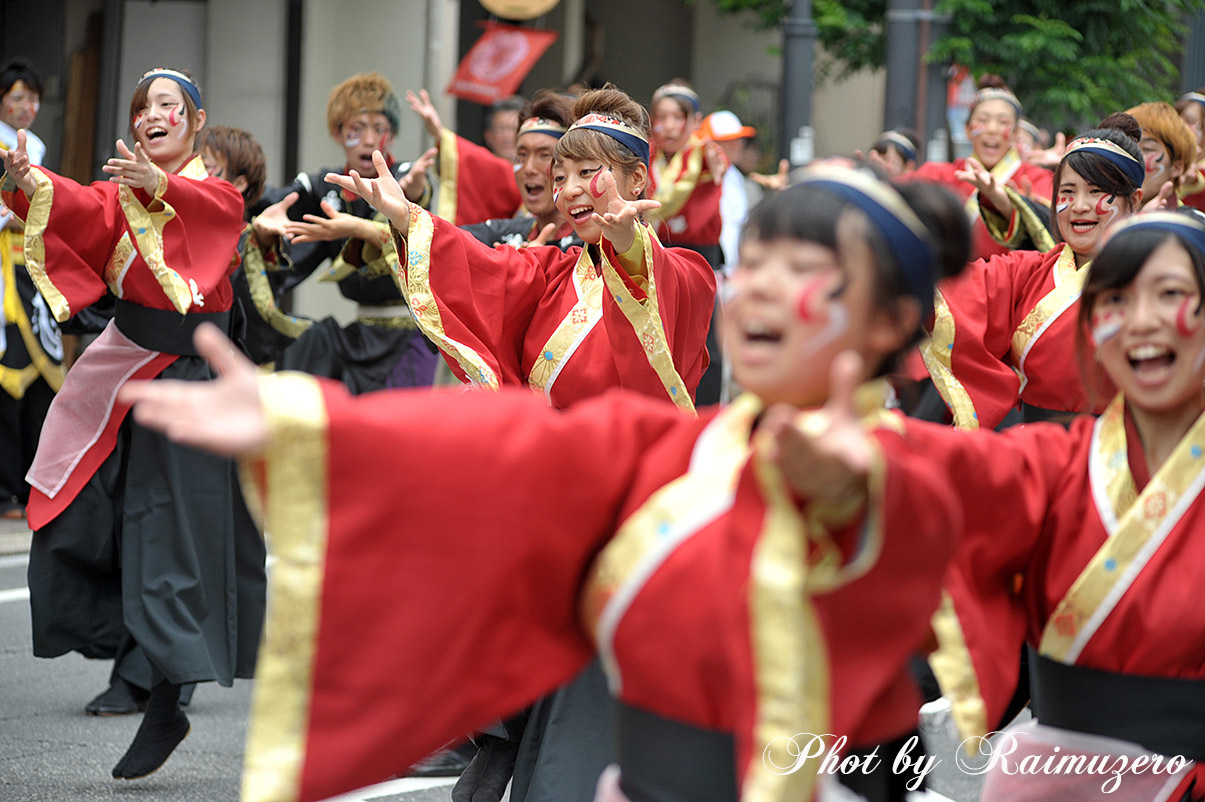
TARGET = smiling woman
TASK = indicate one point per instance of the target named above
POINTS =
(1103, 538)
(621, 312)
(129, 527)
(1003, 330)
(991, 128)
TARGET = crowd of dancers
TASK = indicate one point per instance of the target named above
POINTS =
(695, 493)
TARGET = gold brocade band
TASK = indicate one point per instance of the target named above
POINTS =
(255, 269)
(147, 228)
(1113, 486)
(955, 671)
(570, 332)
(645, 318)
(372, 255)
(936, 353)
(295, 518)
(1141, 530)
(673, 195)
(449, 174)
(415, 283)
(1068, 285)
(790, 659)
(35, 244)
(1024, 220)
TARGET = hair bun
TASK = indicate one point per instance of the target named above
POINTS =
(613, 102)
(1120, 121)
(992, 81)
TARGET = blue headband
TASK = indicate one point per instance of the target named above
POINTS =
(901, 143)
(1196, 97)
(677, 90)
(618, 130)
(1171, 222)
(1133, 169)
(906, 236)
(183, 80)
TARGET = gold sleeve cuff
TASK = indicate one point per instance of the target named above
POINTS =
(294, 509)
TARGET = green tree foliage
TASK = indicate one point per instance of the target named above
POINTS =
(1070, 61)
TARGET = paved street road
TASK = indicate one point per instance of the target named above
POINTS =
(49, 750)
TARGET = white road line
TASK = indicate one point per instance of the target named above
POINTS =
(14, 595)
(14, 560)
(402, 786)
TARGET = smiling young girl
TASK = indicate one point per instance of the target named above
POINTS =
(129, 527)
(733, 611)
(1003, 330)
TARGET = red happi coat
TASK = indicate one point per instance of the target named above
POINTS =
(689, 196)
(1028, 179)
(172, 250)
(1005, 332)
(474, 184)
(552, 319)
(1078, 503)
(719, 602)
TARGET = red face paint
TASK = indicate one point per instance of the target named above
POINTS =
(1186, 317)
(1101, 211)
(594, 190)
(806, 310)
(139, 120)
(1106, 325)
(814, 300)
(172, 120)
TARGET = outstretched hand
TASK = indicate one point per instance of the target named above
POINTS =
(1050, 157)
(17, 164)
(1164, 201)
(414, 182)
(824, 455)
(990, 187)
(133, 168)
(383, 192)
(273, 223)
(335, 225)
(223, 416)
(546, 234)
(779, 180)
(422, 105)
(618, 223)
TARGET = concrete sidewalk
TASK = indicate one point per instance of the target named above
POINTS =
(14, 536)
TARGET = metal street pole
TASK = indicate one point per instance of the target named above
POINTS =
(797, 138)
(936, 83)
(903, 58)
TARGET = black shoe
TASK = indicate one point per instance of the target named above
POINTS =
(444, 763)
(121, 699)
(163, 727)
